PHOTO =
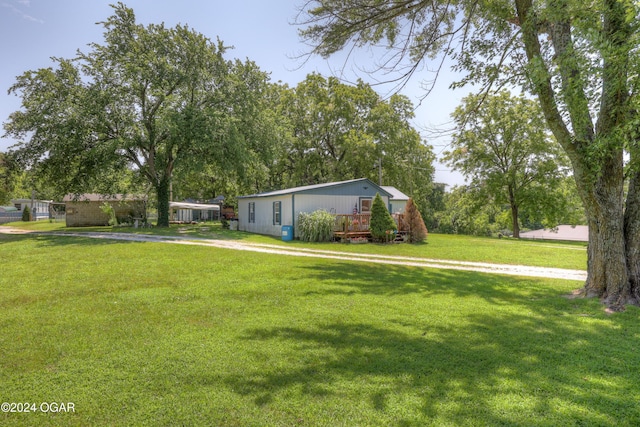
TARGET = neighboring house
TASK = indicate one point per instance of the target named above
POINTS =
(39, 208)
(190, 211)
(578, 233)
(267, 213)
(85, 210)
(397, 201)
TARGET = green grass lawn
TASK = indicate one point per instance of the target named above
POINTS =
(157, 334)
(570, 255)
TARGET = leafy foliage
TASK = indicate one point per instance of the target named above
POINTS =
(467, 213)
(580, 62)
(501, 144)
(316, 226)
(7, 179)
(149, 99)
(417, 229)
(108, 209)
(382, 222)
(338, 131)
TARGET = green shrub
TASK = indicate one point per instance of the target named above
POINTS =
(108, 209)
(26, 214)
(382, 225)
(316, 226)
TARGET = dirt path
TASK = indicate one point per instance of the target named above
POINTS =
(505, 269)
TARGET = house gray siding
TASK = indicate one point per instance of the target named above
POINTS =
(264, 221)
(337, 198)
(397, 206)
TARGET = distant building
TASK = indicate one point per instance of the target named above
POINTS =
(39, 208)
(578, 233)
(85, 210)
(191, 211)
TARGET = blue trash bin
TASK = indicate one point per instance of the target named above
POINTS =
(287, 233)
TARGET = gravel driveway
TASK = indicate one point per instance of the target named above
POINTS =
(504, 269)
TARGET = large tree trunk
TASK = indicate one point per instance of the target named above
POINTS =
(595, 151)
(162, 190)
(632, 234)
(514, 214)
(607, 273)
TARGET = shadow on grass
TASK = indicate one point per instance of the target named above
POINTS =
(497, 370)
(391, 280)
(550, 361)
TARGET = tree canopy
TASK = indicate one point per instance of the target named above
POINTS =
(339, 131)
(503, 146)
(578, 59)
(149, 99)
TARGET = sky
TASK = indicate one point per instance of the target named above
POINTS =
(33, 31)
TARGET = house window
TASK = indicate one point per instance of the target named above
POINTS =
(365, 206)
(277, 209)
(252, 212)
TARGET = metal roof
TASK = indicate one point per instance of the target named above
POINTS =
(395, 193)
(93, 197)
(306, 188)
(197, 206)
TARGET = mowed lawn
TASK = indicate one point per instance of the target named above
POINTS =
(161, 334)
(570, 255)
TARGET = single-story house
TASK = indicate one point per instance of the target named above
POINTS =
(578, 233)
(190, 211)
(267, 213)
(85, 210)
(39, 208)
(397, 201)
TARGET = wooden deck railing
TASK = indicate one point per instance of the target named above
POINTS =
(359, 223)
(352, 223)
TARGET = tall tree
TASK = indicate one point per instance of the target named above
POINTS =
(258, 135)
(503, 145)
(575, 57)
(149, 98)
(340, 131)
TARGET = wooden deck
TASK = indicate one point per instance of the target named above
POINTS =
(357, 225)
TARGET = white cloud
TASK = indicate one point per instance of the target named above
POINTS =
(22, 14)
